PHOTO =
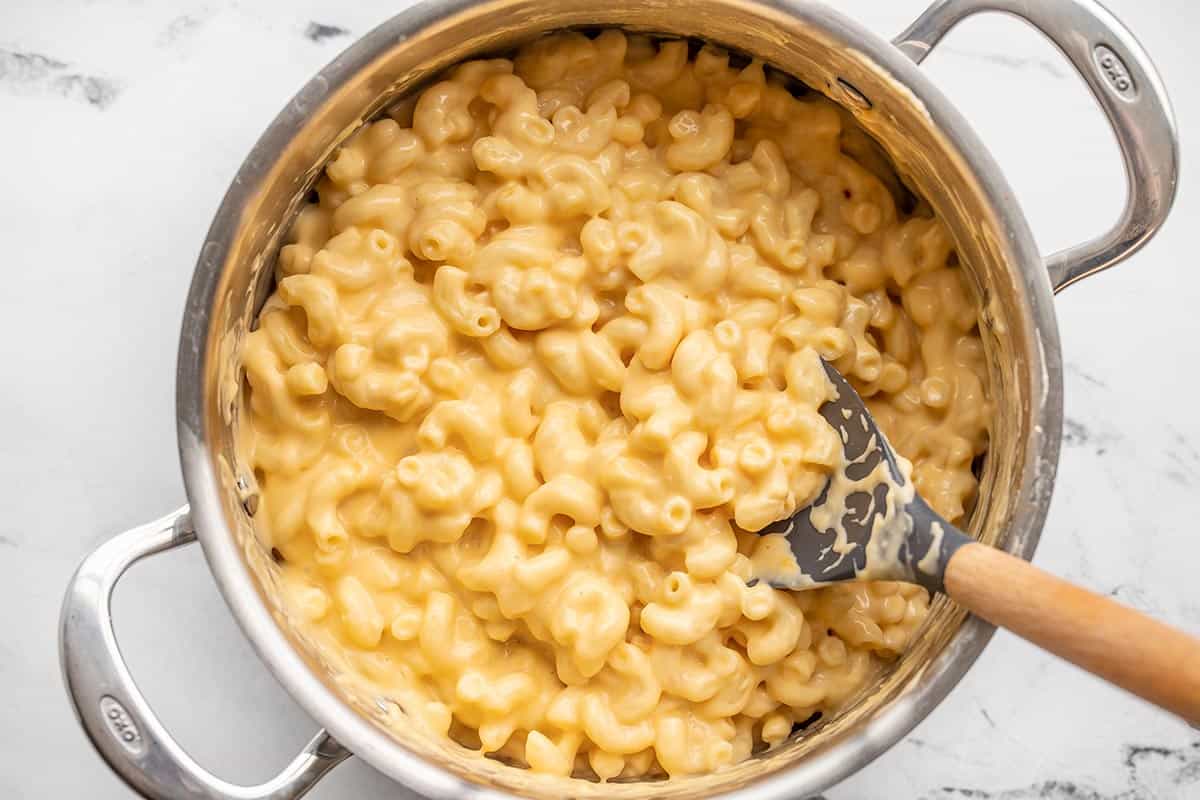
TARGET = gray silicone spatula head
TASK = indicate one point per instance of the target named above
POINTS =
(868, 523)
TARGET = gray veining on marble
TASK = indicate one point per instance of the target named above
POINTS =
(123, 121)
(35, 73)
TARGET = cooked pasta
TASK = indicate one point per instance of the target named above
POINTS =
(543, 356)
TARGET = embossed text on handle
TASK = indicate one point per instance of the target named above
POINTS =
(1114, 72)
(121, 725)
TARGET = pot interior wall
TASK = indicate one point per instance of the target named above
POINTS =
(815, 54)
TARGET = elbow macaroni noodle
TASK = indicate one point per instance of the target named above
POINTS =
(545, 350)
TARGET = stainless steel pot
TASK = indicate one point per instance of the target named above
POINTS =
(881, 84)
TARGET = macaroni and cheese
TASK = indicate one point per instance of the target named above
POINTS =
(541, 358)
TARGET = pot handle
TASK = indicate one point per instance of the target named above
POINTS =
(113, 711)
(1125, 84)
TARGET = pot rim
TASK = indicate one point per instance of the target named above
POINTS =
(237, 585)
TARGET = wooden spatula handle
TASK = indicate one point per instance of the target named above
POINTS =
(1125, 647)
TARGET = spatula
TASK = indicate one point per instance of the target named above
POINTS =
(870, 524)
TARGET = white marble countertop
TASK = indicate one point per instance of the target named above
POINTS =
(123, 121)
